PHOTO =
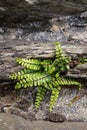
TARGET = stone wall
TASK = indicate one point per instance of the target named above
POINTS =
(58, 20)
(16, 12)
(14, 48)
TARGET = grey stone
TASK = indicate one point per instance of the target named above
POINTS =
(80, 71)
(82, 67)
(84, 15)
(31, 1)
(55, 117)
(20, 48)
(23, 42)
(12, 122)
(71, 106)
(14, 13)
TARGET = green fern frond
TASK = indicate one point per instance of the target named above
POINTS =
(30, 63)
(44, 74)
(83, 60)
(59, 52)
(40, 95)
(67, 81)
(30, 79)
(46, 64)
(53, 98)
(61, 61)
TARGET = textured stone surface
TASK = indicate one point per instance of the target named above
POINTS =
(79, 71)
(71, 106)
(11, 122)
(16, 12)
(9, 50)
(38, 24)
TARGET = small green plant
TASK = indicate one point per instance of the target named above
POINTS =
(45, 74)
(83, 60)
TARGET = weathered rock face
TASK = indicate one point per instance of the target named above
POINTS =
(25, 41)
(71, 31)
(70, 106)
(13, 13)
(11, 122)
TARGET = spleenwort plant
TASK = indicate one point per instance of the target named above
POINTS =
(83, 60)
(46, 75)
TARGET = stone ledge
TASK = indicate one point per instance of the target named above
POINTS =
(9, 50)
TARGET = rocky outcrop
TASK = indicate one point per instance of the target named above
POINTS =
(11, 122)
(69, 30)
(40, 23)
(21, 12)
(71, 106)
(12, 49)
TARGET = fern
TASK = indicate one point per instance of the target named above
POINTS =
(53, 98)
(44, 74)
(30, 63)
(83, 60)
(40, 95)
